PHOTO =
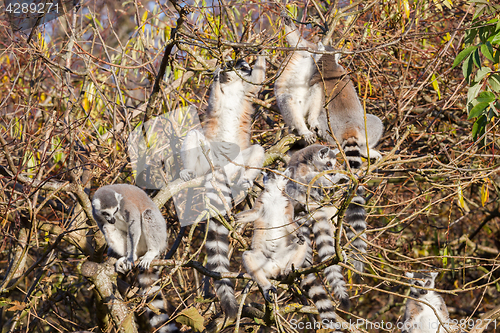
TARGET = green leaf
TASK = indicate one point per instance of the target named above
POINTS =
(496, 39)
(479, 11)
(192, 318)
(481, 73)
(462, 55)
(479, 127)
(472, 93)
(467, 68)
(486, 97)
(478, 110)
(487, 51)
(477, 58)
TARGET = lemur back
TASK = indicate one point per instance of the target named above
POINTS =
(292, 88)
(345, 111)
(307, 163)
(278, 245)
(226, 134)
(419, 317)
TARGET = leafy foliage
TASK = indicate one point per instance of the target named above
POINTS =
(480, 60)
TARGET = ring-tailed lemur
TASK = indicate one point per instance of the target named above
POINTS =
(307, 163)
(278, 244)
(310, 82)
(228, 126)
(292, 88)
(419, 317)
(134, 228)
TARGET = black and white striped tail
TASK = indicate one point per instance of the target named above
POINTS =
(355, 214)
(325, 246)
(315, 290)
(352, 153)
(217, 244)
(153, 292)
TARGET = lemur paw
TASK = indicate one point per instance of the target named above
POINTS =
(270, 293)
(300, 239)
(284, 16)
(344, 256)
(146, 260)
(310, 137)
(187, 174)
(245, 183)
(217, 74)
(123, 265)
(338, 178)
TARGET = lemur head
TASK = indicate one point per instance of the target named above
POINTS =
(229, 74)
(329, 64)
(106, 203)
(325, 159)
(421, 279)
(277, 180)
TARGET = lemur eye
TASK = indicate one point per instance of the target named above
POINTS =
(329, 164)
(105, 214)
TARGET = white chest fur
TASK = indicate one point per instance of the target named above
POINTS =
(427, 320)
(231, 111)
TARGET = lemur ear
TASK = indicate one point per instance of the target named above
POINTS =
(265, 177)
(97, 204)
(118, 197)
(434, 275)
(409, 275)
(337, 57)
(288, 172)
(324, 152)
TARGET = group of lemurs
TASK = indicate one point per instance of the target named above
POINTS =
(317, 99)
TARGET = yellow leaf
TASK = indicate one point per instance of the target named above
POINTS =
(143, 20)
(435, 85)
(461, 202)
(406, 6)
(191, 317)
(484, 193)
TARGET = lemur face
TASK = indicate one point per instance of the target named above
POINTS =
(107, 206)
(421, 279)
(277, 180)
(325, 159)
(229, 73)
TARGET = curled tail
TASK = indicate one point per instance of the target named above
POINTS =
(323, 234)
(355, 214)
(217, 244)
(315, 291)
(153, 292)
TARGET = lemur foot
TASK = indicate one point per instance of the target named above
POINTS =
(270, 293)
(310, 137)
(187, 174)
(123, 265)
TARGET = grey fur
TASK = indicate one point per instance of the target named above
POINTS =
(134, 228)
(419, 317)
(307, 163)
